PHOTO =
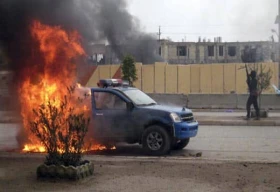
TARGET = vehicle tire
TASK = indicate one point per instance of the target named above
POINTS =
(181, 144)
(156, 141)
(109, 146)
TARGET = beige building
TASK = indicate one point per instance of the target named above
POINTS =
(196, 52)
(215, 52)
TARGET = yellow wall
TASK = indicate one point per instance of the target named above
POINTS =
(113, 70)
(241, 85)
(160, 77)
(274, 80)
(104, 71)
(184, 79)
(217, 78)
(92, 82)
(205, 78)
(148, 78)
(275, 74)
(229, 78)
(195, 79)
(171, 79)
(188, 79)
(138, 82)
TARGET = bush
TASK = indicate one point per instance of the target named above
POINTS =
(61, 129)
(264, 77)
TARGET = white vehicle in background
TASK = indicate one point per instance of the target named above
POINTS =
(277, 91)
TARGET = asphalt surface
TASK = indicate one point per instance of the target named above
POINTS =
(248, 143)
(244, 143)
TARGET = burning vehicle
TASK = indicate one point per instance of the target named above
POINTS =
(46, 43)
(126, 114)
(118, 113)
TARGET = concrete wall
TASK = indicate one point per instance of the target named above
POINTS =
(187, 79)
(215, 101)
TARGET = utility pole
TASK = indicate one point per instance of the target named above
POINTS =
(159, 31)
(159, 36)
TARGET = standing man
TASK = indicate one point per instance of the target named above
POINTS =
(253, 97)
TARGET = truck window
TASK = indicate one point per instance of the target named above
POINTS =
(139, 98)
(104, 100)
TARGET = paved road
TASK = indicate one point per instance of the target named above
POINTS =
(215, 142)
(8, 134)
(238, 143)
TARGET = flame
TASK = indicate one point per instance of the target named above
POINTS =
(34, 148)
(41, 149)
(55, 70)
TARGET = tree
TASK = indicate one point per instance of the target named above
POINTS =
(264, 77)
(129, 69)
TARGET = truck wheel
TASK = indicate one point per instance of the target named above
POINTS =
(181, 144)
(156, 141)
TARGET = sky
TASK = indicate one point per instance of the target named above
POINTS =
(186, 20)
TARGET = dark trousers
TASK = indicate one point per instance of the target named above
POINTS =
(253, 100)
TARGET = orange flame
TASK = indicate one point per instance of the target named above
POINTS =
(49, 79)
(34, 148)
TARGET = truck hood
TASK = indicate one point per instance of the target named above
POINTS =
(178, 110)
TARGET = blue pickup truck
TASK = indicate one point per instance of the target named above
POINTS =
(126, 114)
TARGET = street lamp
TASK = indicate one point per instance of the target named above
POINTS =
(277, 21)
(274, 31)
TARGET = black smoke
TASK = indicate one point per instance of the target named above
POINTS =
(96, 21)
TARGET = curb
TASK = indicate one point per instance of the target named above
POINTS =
(9, 121)
(222, 122)
(168, 159)
(239, 123)
(201, 121)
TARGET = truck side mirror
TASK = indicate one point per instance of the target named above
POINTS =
(130, 106)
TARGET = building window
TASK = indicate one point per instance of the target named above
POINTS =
(232, 51)
(181, 51)
(221, 51)
(159, 51)
(211, 51)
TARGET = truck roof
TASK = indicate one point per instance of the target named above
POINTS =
(122, 89)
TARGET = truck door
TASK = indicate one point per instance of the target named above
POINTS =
(110, 116)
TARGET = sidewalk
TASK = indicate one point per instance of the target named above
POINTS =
(235, 119)
(8, 117)
(223, 118)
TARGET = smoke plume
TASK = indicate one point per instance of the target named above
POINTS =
(251, 20)
(96, 21)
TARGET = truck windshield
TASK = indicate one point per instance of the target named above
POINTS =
(139, 98)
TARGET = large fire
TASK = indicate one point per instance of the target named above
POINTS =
(48, 80)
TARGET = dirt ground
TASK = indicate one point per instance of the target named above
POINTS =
(19, 174)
